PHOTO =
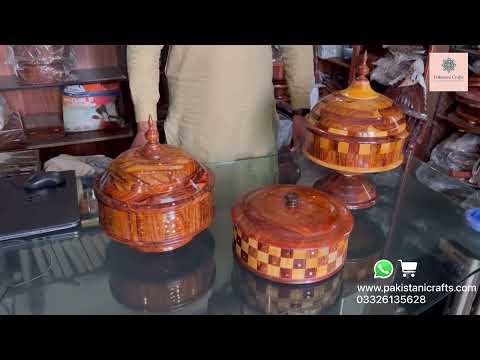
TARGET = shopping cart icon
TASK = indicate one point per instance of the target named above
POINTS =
(409, 268)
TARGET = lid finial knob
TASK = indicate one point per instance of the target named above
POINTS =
(291, 200)
(363, 69)
(152, 149)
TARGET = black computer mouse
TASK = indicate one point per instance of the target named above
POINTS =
(44, 180)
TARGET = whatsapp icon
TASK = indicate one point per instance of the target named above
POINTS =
(383, 269)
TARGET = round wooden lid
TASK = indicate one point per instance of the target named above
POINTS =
(155, 175)
(358, 111)
(292, 216)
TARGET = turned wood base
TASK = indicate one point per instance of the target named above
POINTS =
(355, 191)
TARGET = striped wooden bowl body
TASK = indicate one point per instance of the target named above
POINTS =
(155, 198)
(156, 230)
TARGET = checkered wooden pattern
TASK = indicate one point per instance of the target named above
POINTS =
(289, 265)
(368, 132)
(353, 155)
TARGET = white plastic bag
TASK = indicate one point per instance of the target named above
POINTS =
(4, 112)
(285, 132)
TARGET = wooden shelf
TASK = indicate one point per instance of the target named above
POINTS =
(85, 76)
(80, 138)
(337, 61)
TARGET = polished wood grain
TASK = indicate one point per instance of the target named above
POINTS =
(291, 234)
(356, 130)
(355, 191)
(155, 198)
(12, 136)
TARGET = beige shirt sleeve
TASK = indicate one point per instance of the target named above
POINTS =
(143, 62)
(299, 71)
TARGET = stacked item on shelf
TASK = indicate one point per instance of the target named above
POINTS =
(459, 157)
(12, 135)
(466, 116)
(280, 86)
(15, 163)
(91, 107)
(402, 70)
(330, 51)
(40, 64)
(4, 112)
(454, 169)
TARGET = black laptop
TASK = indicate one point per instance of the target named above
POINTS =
(26, 213)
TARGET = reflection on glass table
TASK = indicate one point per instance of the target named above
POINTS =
(84, 272)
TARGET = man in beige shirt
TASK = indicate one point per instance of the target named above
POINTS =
(222, 106)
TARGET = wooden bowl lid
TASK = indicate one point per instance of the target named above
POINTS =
(358, 111)
(292, 216)
(155, 175)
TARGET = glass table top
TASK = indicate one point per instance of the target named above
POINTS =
(83, 272)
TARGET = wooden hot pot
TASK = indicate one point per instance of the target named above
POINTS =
(155, 198)
(355, 131)
(291, 234)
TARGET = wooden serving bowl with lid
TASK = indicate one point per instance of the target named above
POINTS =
(155, 198)
(291, 234)
(355, 131)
